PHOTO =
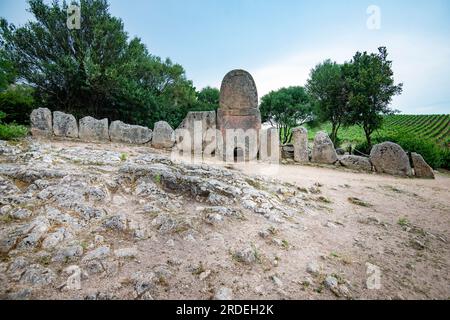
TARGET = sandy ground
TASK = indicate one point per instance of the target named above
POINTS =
(375, 234)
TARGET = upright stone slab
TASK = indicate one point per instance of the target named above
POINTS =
(163, 136)
(421, 167)
(269, 149)
(323, 151)
(64, 125)
(41, 122)
(94, 130)
(197, 124)
(239, 111)
(125, 133)
(300, 142)
(390, 158)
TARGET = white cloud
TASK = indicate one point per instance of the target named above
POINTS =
(422, 64)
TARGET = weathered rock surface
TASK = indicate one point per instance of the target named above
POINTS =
(323, 151)
(94, 130)
(390, 158)
(64, 125)
(356, 163)
(41, 122)
(300, 142)
(77, 222)
(163, 136)
(421, 167)
(121, 132)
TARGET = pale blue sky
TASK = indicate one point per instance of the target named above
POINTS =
(279, 41)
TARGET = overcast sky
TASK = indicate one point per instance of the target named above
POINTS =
(279, 41)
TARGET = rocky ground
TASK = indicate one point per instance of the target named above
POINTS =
(111, 221)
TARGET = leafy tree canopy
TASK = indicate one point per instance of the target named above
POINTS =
(286, 109)
(327, 89)
(370, 81)
(96, 70)
(208, 99)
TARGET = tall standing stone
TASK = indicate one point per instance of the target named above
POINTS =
(300, 142)
(121, 132)
(239, 111)
(323, 151)
(390, 158)
(94, 130)
(41, 122)
(163, 136)
(64, 125)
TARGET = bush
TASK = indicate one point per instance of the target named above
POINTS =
(17, 102)
(11, 131)
(432, 153)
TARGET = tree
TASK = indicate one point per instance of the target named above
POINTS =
(329, 95)
(208, 99)
(286, 109)
(370, 81)
(95, 70)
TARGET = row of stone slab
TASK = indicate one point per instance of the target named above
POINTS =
(386, 157)
(60, 124)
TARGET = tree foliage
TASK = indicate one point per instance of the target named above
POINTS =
(286, 108)
(208, 99)
(17, 102)
(370, 81)
(96, 70)
(327, 89)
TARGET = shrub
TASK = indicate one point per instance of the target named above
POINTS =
(11, 131)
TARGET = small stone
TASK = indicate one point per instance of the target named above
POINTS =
(170, 243)
(98, 239)
(277, 281)
(247, 256)
(126, 252)
(99, 253)
(21, 214)
(224, 294)
(38, 276)
(5, 210)
(74, 280)
(331, 282)
(313, 269)
(214, 218)
(204, 275)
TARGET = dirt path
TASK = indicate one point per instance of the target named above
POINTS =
(401, 225)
